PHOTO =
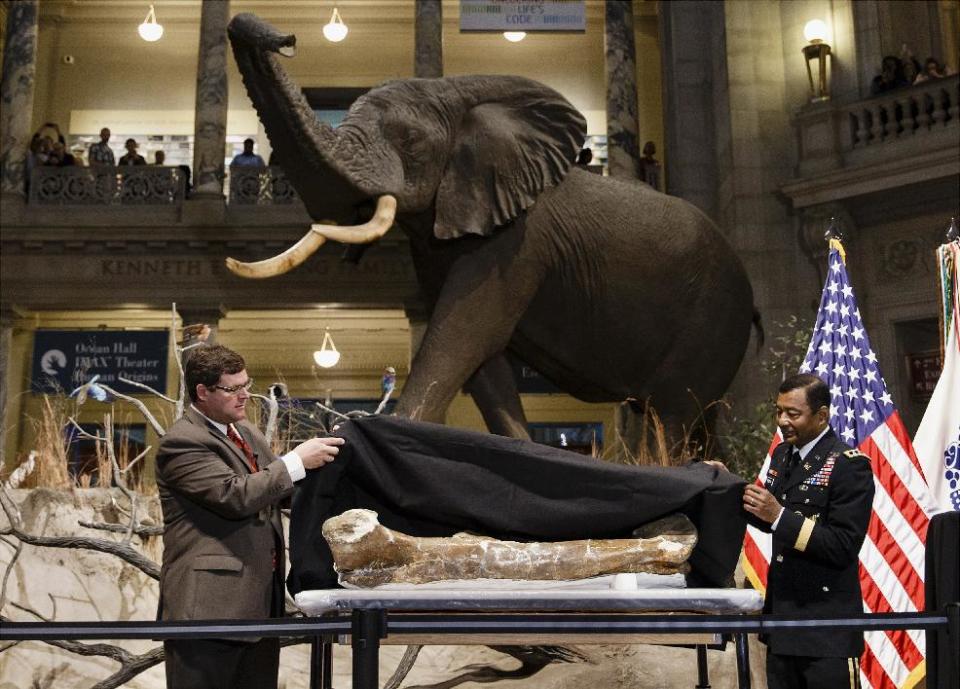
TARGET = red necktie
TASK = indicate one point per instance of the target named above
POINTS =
(244, 447)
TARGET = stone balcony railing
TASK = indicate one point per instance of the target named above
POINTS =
(260, 186)
(902, 114)
(138, 185)
(151, 185)
(901, 137)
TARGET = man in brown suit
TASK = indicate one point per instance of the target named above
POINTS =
(223, 556)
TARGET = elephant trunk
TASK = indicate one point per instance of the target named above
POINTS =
(318, 160)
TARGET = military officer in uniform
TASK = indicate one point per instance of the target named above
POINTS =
(816, 503)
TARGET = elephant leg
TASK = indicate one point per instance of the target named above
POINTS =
(494, 389)
(483, 297)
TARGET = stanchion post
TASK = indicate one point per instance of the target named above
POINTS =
(327, 660)
(743, 660)
(368, 627)
(953, 640)
(703, 672)
(321, 657)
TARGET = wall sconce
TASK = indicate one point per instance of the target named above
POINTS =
(514, 36)
(327, 356)
(817, 49)
(150, 31)
(335, 30)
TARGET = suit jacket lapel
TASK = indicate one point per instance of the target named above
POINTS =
(812, 463)
(224, 441)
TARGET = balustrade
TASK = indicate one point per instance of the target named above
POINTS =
(107, 186)
(901, 114)
(260, 186)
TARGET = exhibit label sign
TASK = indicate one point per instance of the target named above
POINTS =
(65, 359)
(509, 15)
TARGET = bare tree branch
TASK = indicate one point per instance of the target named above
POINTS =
(380, 408)
(6, 574)
(140, 529)
(178, 358)
(404, 667)
(85, 434)
(124, 551)
(141, 407)
(147, 388)
(274, 410)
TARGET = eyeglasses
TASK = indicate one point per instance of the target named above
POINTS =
(233, 390)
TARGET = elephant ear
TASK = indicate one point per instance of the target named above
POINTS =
(504, 155)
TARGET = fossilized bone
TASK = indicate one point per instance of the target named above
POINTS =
(368, 554)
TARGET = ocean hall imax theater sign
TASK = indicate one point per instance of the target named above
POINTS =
(66, 359)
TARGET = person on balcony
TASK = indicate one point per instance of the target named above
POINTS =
(159, 157)
(60, 156)
(932, 69)
(100, 153)
(248, 158)
(132, 157)
(891, 76)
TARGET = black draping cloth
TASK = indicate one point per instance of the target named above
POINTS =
(429, 480)
(942, 586)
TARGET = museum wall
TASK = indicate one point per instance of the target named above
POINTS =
(160, 78)
(722, 91)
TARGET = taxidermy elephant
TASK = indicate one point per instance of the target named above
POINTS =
(606, 287)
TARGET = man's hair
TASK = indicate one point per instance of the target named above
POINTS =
(817, 393)
(248, 141)
(207, 363)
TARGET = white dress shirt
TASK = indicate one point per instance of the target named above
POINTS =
(291, 460)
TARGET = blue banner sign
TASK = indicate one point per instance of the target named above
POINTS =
(533, 15)
(65, 359)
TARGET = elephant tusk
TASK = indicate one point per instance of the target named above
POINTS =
(374, 228)
(281, 263)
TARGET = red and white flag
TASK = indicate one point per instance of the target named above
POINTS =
(864, 416)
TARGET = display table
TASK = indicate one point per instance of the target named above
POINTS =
(524, 616)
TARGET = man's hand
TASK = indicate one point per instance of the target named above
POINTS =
(316, 452)
(760, 502)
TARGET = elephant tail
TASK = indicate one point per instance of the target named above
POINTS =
(758, 325)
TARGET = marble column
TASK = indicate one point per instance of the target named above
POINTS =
(428, 39)
(210, 119)
(695, 102)
(16, 95)
(623, 152)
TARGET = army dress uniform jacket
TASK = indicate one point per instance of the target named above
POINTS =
(814, 562)
(223, 555)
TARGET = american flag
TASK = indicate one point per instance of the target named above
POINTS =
(862, 413)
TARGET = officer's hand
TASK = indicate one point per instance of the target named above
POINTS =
(318, 451)
(760, 502)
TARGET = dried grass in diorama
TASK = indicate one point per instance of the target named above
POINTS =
(52, 452)
(641, 438)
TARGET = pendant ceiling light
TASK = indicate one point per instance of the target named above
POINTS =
(150, 30)
(514, 36)
(327, 356)
(335, 30)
